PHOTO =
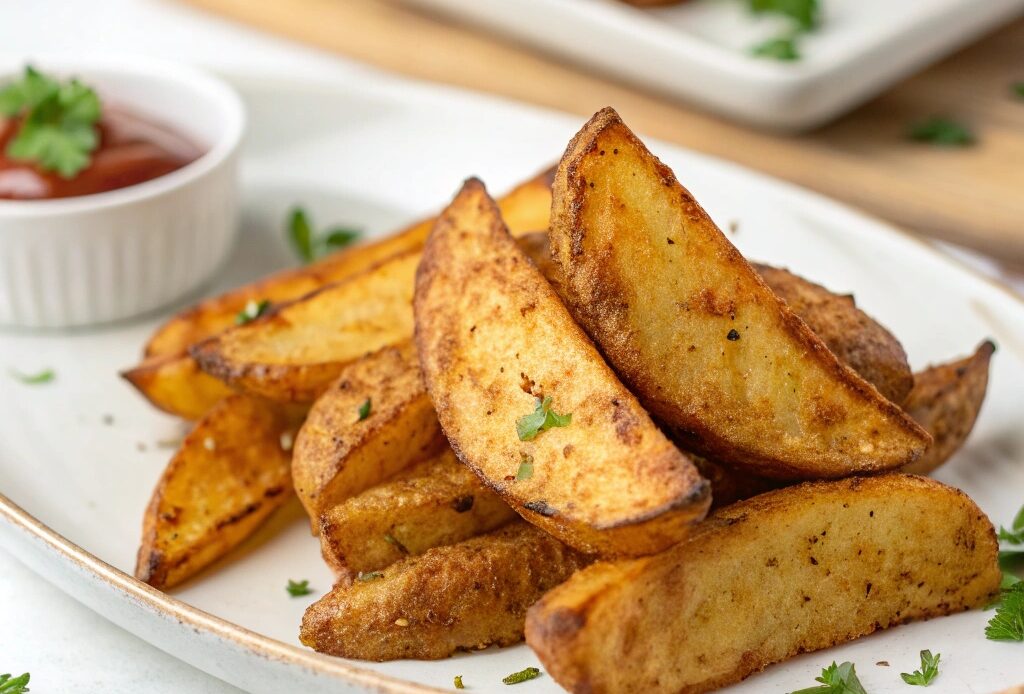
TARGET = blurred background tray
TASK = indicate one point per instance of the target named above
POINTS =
(970, 196)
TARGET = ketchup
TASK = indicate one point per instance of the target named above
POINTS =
(131, 150)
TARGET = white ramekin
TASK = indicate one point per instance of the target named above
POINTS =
(105, 257)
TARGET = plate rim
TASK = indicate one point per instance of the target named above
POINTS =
(160, 604)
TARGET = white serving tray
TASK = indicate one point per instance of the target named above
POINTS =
(699, 50)
(74, 488)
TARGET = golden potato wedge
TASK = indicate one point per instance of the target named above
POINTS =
(230, 473)
(438, 502)
(787, 572)
(296, 350)
(451, 598)
(494, 341)
(946, 400)
(170, 378)
(177, 385)
(854, 337)
(696, 334)
(338, 453)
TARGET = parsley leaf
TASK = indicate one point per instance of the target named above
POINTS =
(783, 48)
(522, 676)
(1008, 622)
(298, 588)
(525, 470)
(253, 310)
(44, 376)
(806, 13)
(310, 245)
(364, 410)
(15, 685)
(942, 131)
(58, 122)
(928, 672)
(836, 679)
(541, 419)
(1015, 535)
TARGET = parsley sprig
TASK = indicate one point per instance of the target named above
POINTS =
(928, 672)
(1015, 534)
(309, 244)
(836, 679)
(298, 588)
(58, 129)
(1008, 622)
(14, 685)
(805, 16)
(541, 419)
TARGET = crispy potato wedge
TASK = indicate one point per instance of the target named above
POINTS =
(493, 338)
(230, 473)
(699, 337)
(170, 378)
(451, 598)
(438, 502)
(177, 386)
(296, 350)
(790, 571)
(946, 400)
(338, 455)
(854, 337)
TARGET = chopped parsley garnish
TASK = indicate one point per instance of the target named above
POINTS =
(14, 685)
(298, 588)
(369, 576)
(525, 470)
(253, 310)
(941, 131)
(806, 13)
(364, 410)
(58, 129)
(541, 419)
(836, 679)
(44, 376)
(309, 244)
(529, 673)
(928, 672)
(1008, 622)
(458, 682)
(782, 48)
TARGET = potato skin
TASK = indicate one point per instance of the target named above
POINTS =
(946, 400)
(697, 335)
(437, 502)
(338, 455)
(451, 598)
(230, 473)
(493, 337)
(171, 379)
(788, 572)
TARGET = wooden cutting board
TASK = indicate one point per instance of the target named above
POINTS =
(972, 196)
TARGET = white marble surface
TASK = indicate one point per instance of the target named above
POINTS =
(65, 646)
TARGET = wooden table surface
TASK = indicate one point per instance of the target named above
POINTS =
(973, 196)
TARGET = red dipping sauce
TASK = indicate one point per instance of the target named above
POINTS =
(131, 150)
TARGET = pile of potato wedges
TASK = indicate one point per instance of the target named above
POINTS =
(578, 415)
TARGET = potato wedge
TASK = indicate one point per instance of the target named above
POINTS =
(946, 400)
(438, 502)
(787, 572)
(451, 598)
(170, 378)
(493, 340)
(296, 350)
(853, 336)
(697, 335)
(338, 455)
(231, 472)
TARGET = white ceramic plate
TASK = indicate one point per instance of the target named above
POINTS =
(377, 157)
(700, 50)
